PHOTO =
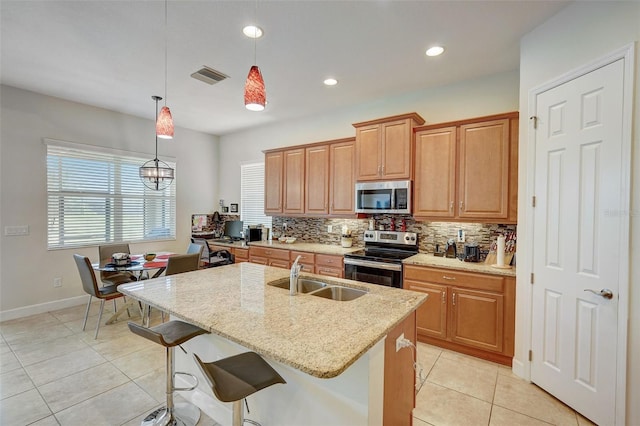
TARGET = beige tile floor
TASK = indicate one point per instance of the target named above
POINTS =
(53, 373)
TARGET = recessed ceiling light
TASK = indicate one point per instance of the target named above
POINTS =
(435, 51)
(252, 31)
(330, 82)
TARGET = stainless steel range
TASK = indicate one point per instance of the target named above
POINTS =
(381, 260)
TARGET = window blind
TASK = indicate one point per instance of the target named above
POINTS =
(252, 195)
(95, 196)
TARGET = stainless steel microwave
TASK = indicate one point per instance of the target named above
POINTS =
(384, 197)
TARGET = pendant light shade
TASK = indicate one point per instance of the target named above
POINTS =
(156, 174)
(164, 124)
(255, 96)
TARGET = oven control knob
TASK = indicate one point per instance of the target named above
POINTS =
(406, 237)
(413, 238)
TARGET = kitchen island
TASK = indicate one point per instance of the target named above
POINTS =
(338, 357)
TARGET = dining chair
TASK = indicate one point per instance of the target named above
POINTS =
(90, 286)
(196, 248)
(180, 263)
(114, 278)
(206, 252)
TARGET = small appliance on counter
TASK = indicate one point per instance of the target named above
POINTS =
(471, 252)
(253, 234)
(451, 250)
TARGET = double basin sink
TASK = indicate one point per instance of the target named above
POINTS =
(323, 289)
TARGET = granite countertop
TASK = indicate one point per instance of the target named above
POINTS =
(307, 247)
(424, 259)
(236, 244)
(318, 336)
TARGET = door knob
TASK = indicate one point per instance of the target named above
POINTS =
(605, 292)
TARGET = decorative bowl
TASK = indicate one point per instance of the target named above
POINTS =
(290, 240)
(282, 239)
(149, 257)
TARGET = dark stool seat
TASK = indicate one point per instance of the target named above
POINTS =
(234, 378)
(171, 334)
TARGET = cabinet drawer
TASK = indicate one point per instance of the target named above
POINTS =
(241, 254)
(279, 263)
(329, 271)
(270, 253)
(457, 278)
(259, 260)
(328, 260)
(305, 257)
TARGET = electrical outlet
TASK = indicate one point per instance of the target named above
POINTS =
(398, 340)
(57, 282)
(329, 228)
(461, 236)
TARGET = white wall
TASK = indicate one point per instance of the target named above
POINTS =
(483, 96)
(27, 268)
(579, 34)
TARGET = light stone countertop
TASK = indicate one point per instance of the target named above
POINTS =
(307, 247)
(424, 259)
(318, 336)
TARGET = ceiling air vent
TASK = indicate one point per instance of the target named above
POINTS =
(209, 75)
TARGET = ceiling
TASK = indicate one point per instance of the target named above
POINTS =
(111, 54)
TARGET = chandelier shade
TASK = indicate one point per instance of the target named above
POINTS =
(164, 124)
(156, 174)
(255, 96)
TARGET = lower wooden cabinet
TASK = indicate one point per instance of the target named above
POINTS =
(329, 265)
(468, 312)
(307, 260)
(268, 256)
(241, 254)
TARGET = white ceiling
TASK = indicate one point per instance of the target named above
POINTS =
(111, 53)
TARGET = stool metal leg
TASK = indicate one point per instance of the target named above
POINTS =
(182, 414)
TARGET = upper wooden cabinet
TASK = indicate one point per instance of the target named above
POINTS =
(315, 179)
(294, 174)
(383, 147)
(273, 182)
(468, 170)
(342, 178)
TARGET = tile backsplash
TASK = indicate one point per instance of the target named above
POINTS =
(315, 230)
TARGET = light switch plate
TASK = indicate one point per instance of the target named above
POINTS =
(16, 230)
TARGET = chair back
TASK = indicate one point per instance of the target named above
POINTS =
(87, 276)
(180, 263)
(205, 247)
(106, 251)
(195, 248)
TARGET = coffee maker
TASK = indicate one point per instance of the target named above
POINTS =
(253, 234)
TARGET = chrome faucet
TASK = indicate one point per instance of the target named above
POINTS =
(293, 277)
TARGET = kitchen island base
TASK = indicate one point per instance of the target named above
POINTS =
(355, 397)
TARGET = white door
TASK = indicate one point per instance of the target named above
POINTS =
(578, 146)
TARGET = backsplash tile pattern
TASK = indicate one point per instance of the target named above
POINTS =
(314, 230)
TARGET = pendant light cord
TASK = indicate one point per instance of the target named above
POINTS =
(157, 98)
(255, 32)
(166, 7)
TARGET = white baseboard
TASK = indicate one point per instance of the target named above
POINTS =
(42, 308)
(518, 368)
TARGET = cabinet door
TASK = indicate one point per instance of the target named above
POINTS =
(294, 181)
(342, 178)
(368, 155)
(317, 180)
(484, 170)
(396, 150)
(432, 314)
(273, 182)
(477, 319)
(435, 173)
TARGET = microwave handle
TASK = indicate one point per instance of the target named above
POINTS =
(393, 198)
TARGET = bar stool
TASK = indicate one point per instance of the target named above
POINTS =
(234, 378)
(171, 334)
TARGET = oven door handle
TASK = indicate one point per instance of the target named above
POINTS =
(376, 265)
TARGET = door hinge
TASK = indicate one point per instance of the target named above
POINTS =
(533, 201)
(532, 278)
(535, 121)
(530, 355)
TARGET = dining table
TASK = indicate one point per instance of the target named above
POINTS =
(138, 266)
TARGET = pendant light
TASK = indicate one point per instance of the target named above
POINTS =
(156, 174)
(164, 122)
(255, 95)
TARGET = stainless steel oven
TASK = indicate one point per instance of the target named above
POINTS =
(381, 260)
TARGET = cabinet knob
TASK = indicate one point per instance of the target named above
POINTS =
(454, 299)
(444, 297)
(444, 277)
(461, 206)
(451, 207)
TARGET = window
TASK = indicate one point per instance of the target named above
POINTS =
(252, 195)
(95, 196)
